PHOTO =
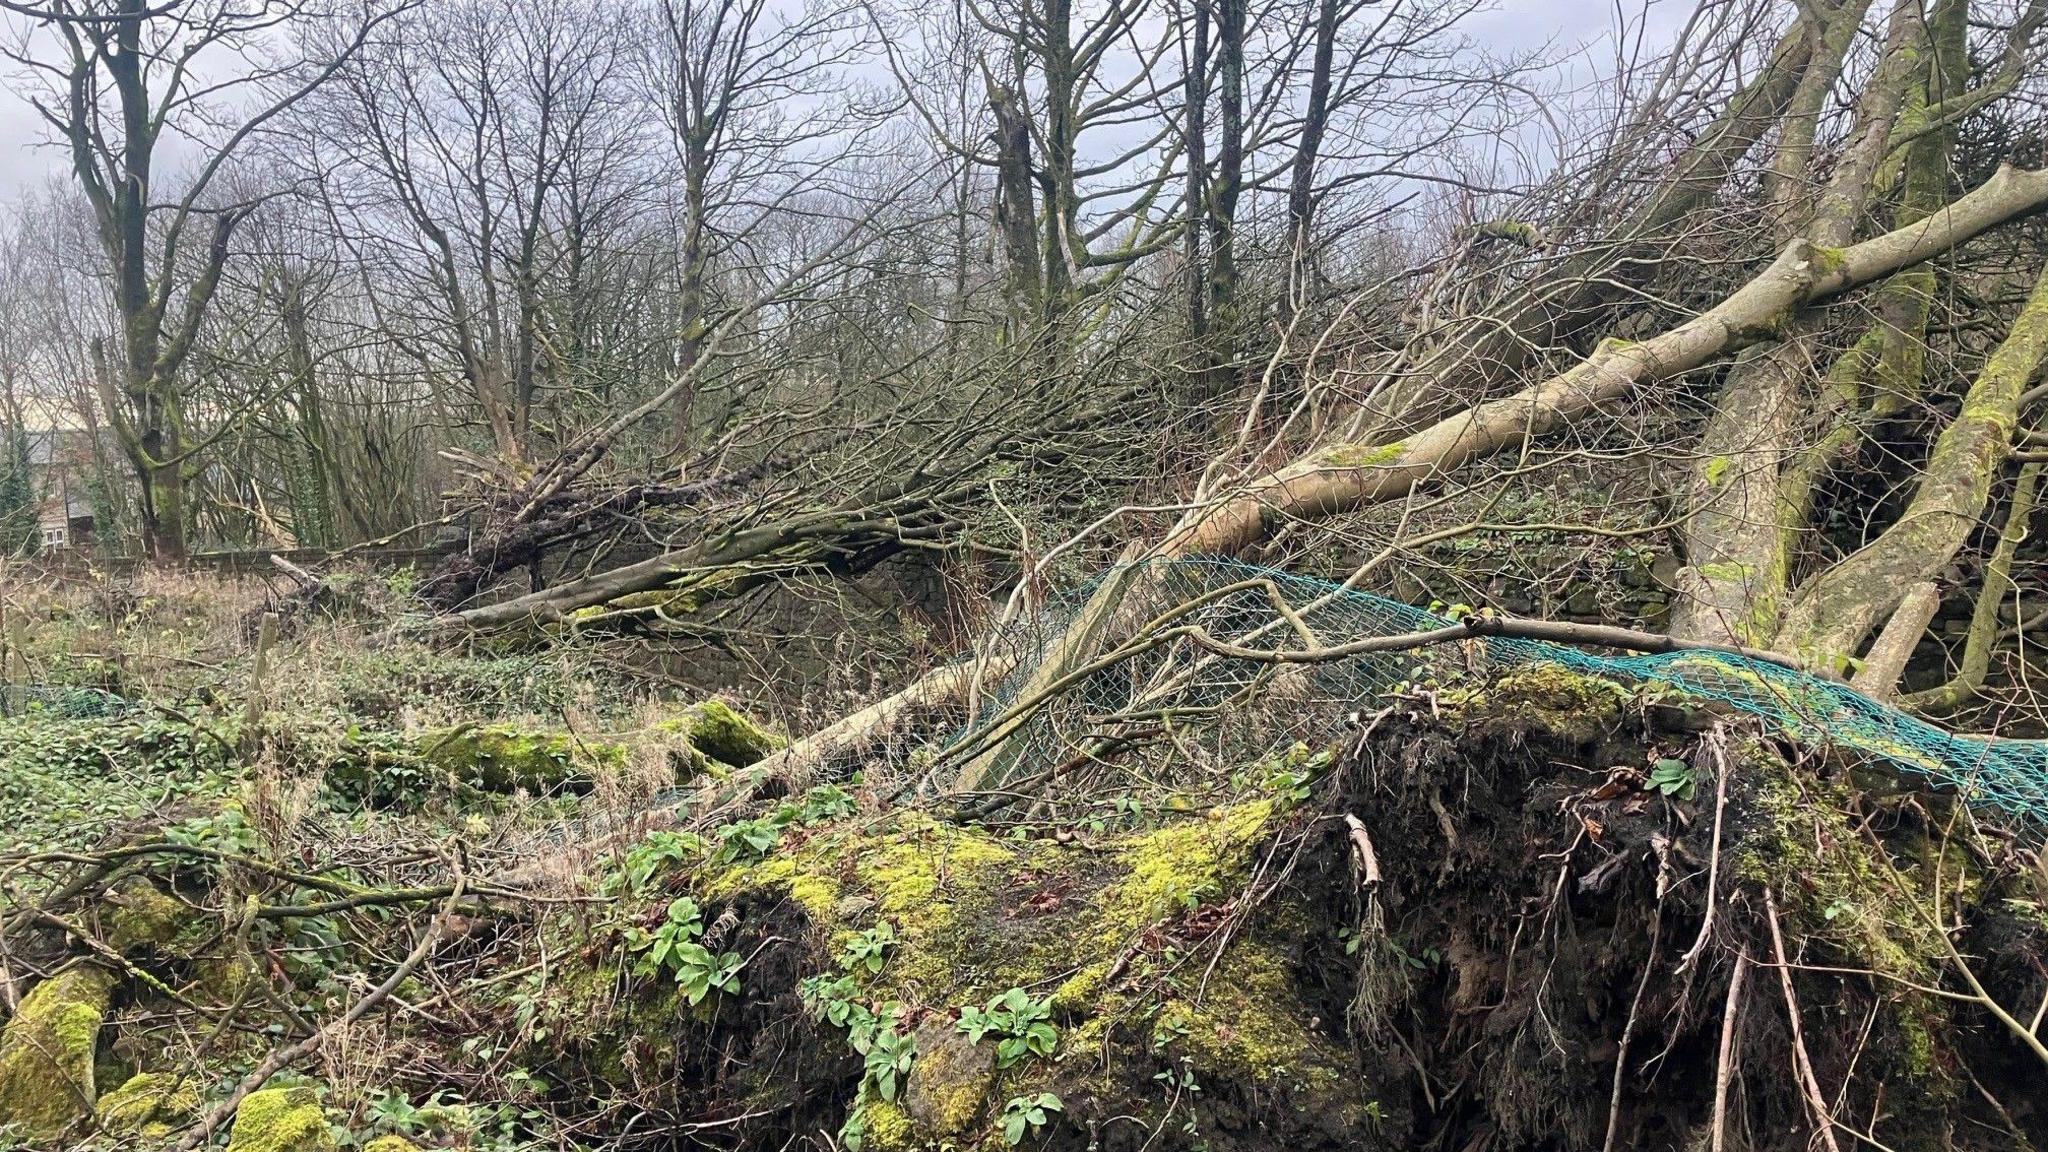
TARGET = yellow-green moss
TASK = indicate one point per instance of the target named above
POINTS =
(1826, 262)
(149, 1106)
(975, 916)
(390, 1143)
(281, 1120)
(889, 1127)
(1182, 866)
(1550, 697)
(1248, 1023)
(506, 759)
(46, 1052)
(720, 731)
(936, 881)
(1363, 456)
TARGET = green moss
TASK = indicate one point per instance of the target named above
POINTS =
(1249, 1024)
(1831, 883)
(150, 1106)
(46, 1052)
(720, 731)
(1826, 262)
(889, 1127)
(143, 916)
(389, 1143)
(506, 759)
(281, 1120)
(1717, 471)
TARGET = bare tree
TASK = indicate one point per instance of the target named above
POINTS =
(113, 78)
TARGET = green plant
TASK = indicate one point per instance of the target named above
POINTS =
(683, 924)
(1181, 1077)
(700, 971)
(869, 949)
(1351, 939)
(673, 946)
(750, 839)
(826, 802)
(1673, 778)
(886, 1057)
(1026, 1114)
(395, 1112)
(651, 855)
(1421, 961)
(1024, 1026)
(830, 998)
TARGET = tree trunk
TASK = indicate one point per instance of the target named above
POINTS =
(1835, 611)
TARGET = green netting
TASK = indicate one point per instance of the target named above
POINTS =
(1178, 703)
(69, 703)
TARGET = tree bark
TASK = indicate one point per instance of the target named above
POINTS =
(1878, 678)
(1833, 613)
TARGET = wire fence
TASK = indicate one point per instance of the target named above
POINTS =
(63, 702)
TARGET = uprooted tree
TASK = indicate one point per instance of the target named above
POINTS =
(982, 423)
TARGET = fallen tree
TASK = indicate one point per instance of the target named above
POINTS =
(1340, 478)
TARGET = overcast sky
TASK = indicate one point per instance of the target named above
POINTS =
(26, 159)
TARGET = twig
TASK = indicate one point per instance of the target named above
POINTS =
(1715, 741)
(1724, 1070)
(1823, 1120)
(284, 1057)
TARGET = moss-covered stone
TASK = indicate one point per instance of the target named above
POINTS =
(281, 1120)
(949, 1084)
(46, 1052)
(150, 1106)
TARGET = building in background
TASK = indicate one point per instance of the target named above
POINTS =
(60, 468)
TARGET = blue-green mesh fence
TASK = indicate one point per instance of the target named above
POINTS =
(55, 700)
(1178, 705)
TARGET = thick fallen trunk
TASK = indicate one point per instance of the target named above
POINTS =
(1830, 617)
(1342, 477)
(755, 545)
(717, 568)
(1752, 486)
(523, 535)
